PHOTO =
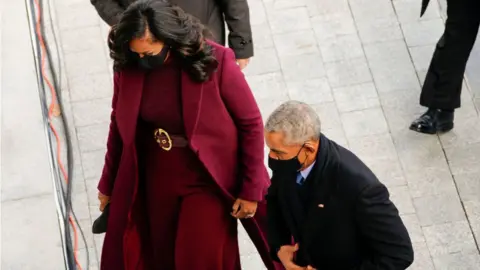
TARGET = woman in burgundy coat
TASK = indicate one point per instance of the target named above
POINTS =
(185, 150)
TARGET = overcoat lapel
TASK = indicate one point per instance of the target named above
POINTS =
(192, 94)
(322, 190)
(292, 210)
(321, 195)
(128, 104)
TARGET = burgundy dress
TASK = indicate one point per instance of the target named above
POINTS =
(183, 203)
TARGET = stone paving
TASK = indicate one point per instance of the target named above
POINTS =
(360, 63)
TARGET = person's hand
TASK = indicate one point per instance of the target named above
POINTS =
(104, 199)
(244, 209)
(286, 255)
(243, 63)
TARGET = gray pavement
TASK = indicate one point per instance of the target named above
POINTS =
(360, 63)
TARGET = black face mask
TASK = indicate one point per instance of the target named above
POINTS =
(154, 61)
(285, 167)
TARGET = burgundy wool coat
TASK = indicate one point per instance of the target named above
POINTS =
(224, 128)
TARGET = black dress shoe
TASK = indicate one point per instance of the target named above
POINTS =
(433, 121)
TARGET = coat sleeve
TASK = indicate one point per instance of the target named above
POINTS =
(114, 147)
(278, 234)
(239, 101)
(237, 17)
(109, 10)
(383, 230)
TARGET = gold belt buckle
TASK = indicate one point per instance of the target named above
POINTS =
(166, 142)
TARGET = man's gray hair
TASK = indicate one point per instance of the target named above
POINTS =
(297, 120)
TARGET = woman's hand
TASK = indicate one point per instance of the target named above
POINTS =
(104, 200)
(244, 209)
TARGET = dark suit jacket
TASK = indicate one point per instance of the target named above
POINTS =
(224, 129)
(350, 222)
(212, 13)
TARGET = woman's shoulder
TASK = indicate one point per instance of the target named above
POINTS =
(225, 56)
(216, 46)
(218, 50)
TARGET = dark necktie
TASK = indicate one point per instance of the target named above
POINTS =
(300, 179)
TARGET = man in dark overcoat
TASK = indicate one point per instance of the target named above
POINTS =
(212, 13)
(443, 84)
(337, 212)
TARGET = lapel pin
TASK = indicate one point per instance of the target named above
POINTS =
(321, 205)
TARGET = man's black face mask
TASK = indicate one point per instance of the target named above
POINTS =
(285, 167)
(153, 61)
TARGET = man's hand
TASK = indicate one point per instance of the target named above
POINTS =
(286, 254)
(243, 63)
(104, 199)
(244, 209)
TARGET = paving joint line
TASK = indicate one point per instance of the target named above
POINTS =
(284, 83)
(465, 78)
(393, 141)
(470, 226)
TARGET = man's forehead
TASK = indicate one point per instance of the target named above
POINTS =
(274, 138)
(275, 141)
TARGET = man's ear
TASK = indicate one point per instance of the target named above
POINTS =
(310, 147)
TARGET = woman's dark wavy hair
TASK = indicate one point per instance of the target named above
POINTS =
(184, 34)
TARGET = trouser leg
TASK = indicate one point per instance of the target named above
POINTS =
(207, 234)
(163, 227)
(162, 205)
(443, 83)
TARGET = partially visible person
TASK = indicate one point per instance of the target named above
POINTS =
(442, 87)
(212, 13)
(338, 213)
(185, 150)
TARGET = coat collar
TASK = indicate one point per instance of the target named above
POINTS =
(322, 157)
(128, 103)
(298, 216)
(315, 176)
(130, 97)
(314, 182)
(322, 186)
(192, 94)
(320, 177)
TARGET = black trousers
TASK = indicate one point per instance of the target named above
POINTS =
(443, 84)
